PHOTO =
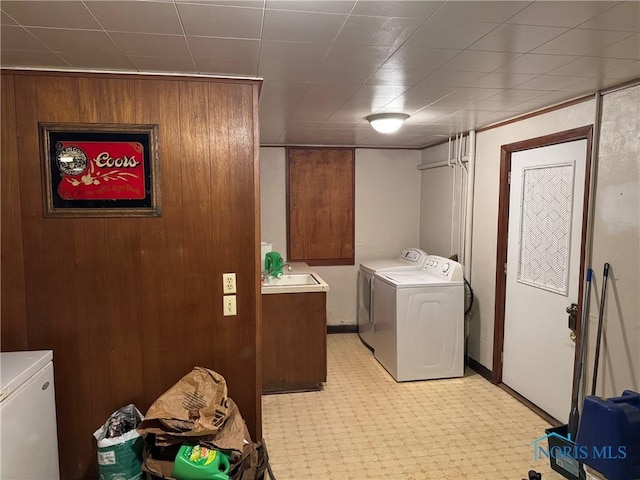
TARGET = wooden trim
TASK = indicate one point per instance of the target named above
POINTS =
(532, 406)
(257, 255)
(132, 76)
(580, 133)
(480, 369)
(331, 329)
(325, 262)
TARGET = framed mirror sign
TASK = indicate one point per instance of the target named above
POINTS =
(100, 170)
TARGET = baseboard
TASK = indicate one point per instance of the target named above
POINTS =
(480, 369)
(532, 406)
(342, 328)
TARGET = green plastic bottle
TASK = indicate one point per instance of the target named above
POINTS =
(197, 462)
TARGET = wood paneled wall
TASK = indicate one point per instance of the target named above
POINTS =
(130, 305)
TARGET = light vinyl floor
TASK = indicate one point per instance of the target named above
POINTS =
(364, 425)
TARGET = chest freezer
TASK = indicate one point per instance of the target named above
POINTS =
(28, 426)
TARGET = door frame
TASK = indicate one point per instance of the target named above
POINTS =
(580, 133)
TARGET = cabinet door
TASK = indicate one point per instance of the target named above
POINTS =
(320, 205)
(294, 345)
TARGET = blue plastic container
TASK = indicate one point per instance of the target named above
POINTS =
(609, 435)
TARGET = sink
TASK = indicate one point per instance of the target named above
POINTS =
(289, 279)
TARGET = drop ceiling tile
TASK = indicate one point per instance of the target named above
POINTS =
(225, 3)
(345, 54)
(535, 64)
(428, 92)
(350, 114)
(355, 73)
(442, 78)
(624, 16)
(398, 76)
(476, 94)
(288, 93)
(485, 11)
(287, 71)
(407, 105)
(17, 38)
(581, 42)
(60, 14)
(149, 45)
(141, 17)
(292, 52)
(559, 13)
(379, 91)
(92, 61)
(495, 105)
(429, 115)
(301, 26)
(503, 80)
(24, 58)
(76, 41)
(164, 64)
(396, 8)
(321, 91)
(587, 86)
(371, 103)
(238, 68)
(225, 49)
(320, 6)
(217, 21)
(627, 72)
(473, 61)
(430, 58)
(591, 67)
(449, 34)
(381, 31)
(6, 20)
(270, 131)
(517, 38)
(550, 82)
(628, 48)
(519, 95)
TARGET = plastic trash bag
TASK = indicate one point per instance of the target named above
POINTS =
(120, 445)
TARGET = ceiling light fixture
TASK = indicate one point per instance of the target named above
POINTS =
(387, 122)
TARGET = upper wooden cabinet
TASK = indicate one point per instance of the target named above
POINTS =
(320, 205)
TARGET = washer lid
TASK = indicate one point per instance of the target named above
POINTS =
(414, 279)
(18, 367)
(410, 259)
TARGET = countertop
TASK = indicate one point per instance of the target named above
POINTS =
(296, 268)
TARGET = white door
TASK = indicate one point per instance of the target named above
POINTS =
(543, 265)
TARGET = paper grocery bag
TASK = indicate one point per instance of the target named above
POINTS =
(195, 406)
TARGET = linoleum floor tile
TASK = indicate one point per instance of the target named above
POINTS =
(364, 425)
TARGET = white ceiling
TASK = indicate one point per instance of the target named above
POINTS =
(452, 66)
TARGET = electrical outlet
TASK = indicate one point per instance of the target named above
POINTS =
(229, 305)
(229, 283)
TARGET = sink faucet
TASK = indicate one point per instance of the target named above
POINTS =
(267, 275)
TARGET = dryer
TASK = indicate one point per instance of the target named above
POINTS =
(420, 321)
(410, 259)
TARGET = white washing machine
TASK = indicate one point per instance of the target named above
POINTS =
(410, 259)
(420, 321)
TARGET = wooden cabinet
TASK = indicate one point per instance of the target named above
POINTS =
(294, 342)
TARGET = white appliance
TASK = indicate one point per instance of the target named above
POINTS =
(28, 432)
(410, 259)
(420, 321)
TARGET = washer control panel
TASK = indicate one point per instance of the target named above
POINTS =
(443, 268)
(414, 255)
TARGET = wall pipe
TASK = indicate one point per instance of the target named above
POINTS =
(469, 207)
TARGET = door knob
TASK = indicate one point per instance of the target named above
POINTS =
(572, 336)
(572, 310)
